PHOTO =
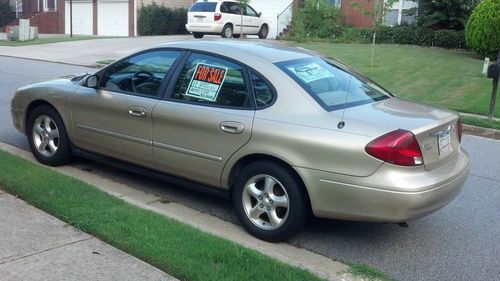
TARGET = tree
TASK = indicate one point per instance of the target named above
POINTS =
(6, 14)
(444, 14)
(243, 6)
(482, 32)
(377, 14)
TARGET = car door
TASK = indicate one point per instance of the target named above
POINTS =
(235, 16)
(207, 116)
(252, 21)
(115, 118)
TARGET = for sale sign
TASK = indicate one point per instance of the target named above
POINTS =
(206, 82)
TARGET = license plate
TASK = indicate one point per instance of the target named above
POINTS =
(444, 142)
(200, 19)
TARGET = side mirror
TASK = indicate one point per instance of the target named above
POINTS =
(92, 81)
(260, 14)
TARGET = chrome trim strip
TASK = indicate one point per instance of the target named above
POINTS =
(116, 135)
(187, 151)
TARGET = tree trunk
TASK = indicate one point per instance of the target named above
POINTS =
(241, 23)
(373, 47)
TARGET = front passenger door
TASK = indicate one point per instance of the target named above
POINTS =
(115, 119)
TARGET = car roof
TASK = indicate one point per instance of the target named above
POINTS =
(244, 50)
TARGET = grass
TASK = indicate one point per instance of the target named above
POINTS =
(367, 272)
(105, 62)
(480, 122)
(176, 248)
(449, 78)
(47, 40)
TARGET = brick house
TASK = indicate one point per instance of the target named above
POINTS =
(90, 17)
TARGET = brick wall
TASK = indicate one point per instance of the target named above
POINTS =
(168, 3)
(352, 15)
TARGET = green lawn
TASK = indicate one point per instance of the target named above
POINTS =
(178, 249)
(442, 77)
(47, 40)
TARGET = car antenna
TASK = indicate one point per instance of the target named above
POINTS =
(341, 124)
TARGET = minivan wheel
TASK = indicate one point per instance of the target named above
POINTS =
(269, 201)
(47, 137)
(264, 30)
(198, 35)
(227, 31)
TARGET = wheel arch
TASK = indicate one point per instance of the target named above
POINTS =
(251, 158)
(36, 103)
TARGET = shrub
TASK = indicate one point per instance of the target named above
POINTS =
(483, 29)
(6, 14)
(317, 19)
(159, 20)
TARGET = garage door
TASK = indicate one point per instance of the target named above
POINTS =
(112, 18)
(82, 18)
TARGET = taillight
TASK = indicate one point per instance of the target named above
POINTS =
(459, 130)
(399, 147)
(217, 16)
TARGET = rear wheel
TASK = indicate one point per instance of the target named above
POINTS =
(227, 31)
(47, 137)
(270, 201)
(198, 35)
(264, 30)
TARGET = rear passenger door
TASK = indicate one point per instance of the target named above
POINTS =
(252, 21)
(207, 116)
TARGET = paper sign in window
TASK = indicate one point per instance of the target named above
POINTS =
(310, 72)
(206, 82)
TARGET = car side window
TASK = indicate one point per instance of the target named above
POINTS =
(264, 94)
(224, 7)
(141, 74)
(251, 12)
(211, 80)
(234, 8)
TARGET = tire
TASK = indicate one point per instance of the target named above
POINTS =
(47, 137)
(198, 35)
(227, 31)
(264, 188)
(263, 32)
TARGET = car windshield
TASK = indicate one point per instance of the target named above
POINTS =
(203, 7)
(331, 85)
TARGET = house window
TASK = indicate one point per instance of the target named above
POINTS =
(49, 5)
(16, 5)
(408, 17)
(335, 3)
(391, 17)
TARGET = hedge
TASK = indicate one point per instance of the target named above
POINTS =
(406, 35)
(159, 20)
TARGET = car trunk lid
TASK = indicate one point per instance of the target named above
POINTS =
(435, 129)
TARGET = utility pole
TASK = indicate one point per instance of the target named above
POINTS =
(70, 18)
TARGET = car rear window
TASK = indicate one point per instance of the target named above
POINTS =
(331, 85)
(203, 7)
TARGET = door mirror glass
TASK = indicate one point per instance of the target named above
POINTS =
(260, 14)
(92, 81)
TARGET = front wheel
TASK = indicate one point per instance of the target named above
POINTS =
(264, 30)
(270, 201)
(47, 136)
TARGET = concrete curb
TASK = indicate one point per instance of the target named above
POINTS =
(284, 252)
(481, 132)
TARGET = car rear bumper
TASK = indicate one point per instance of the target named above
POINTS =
(392, 194)
(205, 27)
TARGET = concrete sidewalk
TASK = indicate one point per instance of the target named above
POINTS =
(36, 246)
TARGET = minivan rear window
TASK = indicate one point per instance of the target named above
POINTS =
(203, 7)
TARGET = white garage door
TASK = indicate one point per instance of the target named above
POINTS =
(112, 18)
(82, 18)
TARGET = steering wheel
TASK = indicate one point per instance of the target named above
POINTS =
(137, 76)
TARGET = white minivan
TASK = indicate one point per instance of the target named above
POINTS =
(224, 18)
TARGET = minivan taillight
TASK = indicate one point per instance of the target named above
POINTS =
(217, 16)
(399, 147)
(459, 129)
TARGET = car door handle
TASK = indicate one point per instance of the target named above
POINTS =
(137, 111)
(232, 127)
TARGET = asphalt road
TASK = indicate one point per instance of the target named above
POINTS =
(459, 242)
